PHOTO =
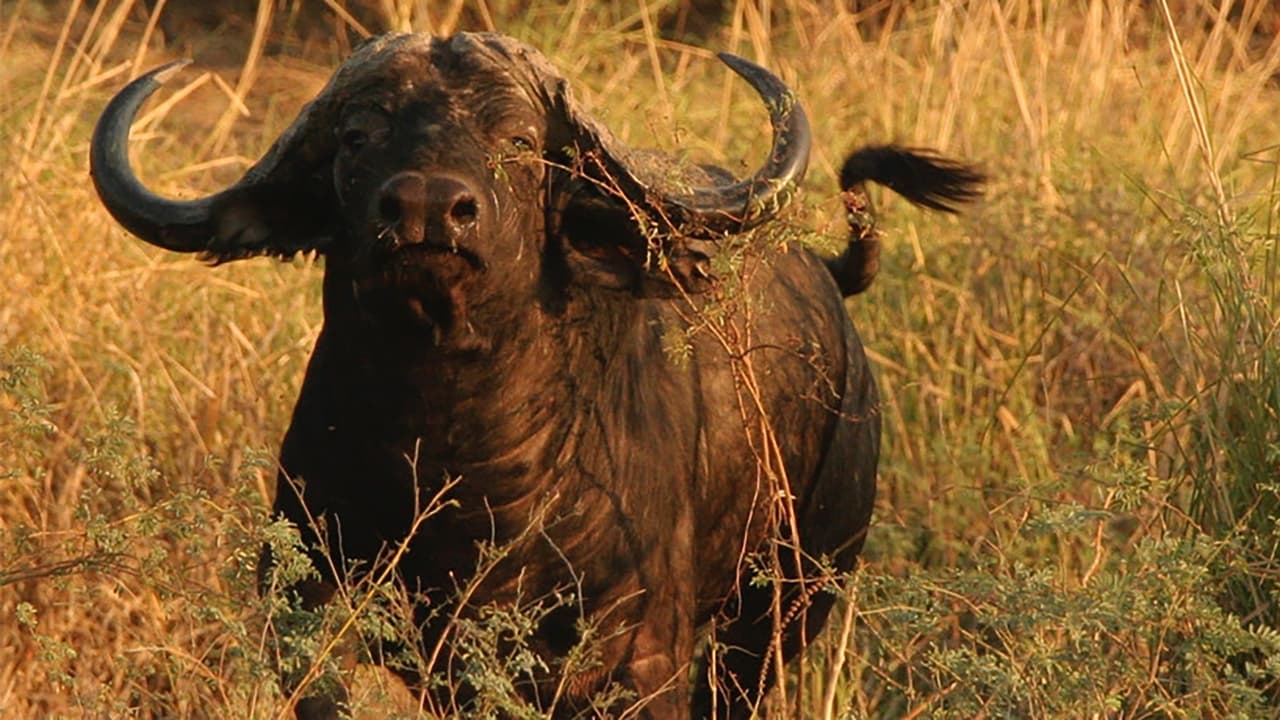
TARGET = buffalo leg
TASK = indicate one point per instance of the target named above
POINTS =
(326, 699)
(745, 655)
(326, 696)
(662, 687)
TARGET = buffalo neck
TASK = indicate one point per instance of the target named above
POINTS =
(496, 407)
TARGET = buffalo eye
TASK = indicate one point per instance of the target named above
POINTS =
(354, 138)
(522, 143)
(362, 127)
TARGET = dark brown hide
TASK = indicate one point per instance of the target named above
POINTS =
(504, 284)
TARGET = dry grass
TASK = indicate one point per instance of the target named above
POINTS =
(1072, 371)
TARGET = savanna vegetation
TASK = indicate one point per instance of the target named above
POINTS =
(1081, 470)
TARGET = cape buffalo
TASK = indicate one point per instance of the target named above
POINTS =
(624, 368)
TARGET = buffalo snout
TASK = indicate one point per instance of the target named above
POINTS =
(438, 210)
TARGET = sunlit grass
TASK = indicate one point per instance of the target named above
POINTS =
(1079, 475)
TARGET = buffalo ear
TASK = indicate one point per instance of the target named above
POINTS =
(271, 220)
(285, 203)
(600, 241)
(607, 242)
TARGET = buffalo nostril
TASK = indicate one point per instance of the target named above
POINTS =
(389, 208)
(464, 212)
(402, 206)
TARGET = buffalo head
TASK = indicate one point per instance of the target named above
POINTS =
(431, 167)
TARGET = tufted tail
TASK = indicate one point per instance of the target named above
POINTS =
(921, 176)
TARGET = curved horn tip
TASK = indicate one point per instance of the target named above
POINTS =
(168, 70)
(738, 63)
(779, 98)
(744, 67)
(163, 73)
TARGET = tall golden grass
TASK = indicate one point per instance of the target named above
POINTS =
(1078, 376)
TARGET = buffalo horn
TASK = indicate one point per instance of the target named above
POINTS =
(182, 226)
(716, 210)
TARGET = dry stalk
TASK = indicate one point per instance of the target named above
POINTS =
(1186, 81)
(735, 340)
(37, 117)
(734, 336)
(153, 19)
(248, 75)
(847, 622)
(347, 18)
